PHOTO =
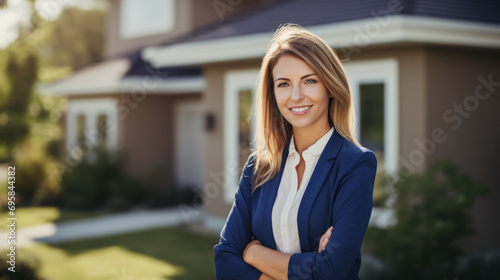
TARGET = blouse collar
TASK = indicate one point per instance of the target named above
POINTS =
(315, 149)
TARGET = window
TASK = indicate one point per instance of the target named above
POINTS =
(145, 18)
(374, 87)
(245, 129)
(371, 100)
(81, 129)
(91, 123)
(239, 88)
(103, 132)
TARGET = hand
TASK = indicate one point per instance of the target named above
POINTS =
(324, 239)
(246, 255)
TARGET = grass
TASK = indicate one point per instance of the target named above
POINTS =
(32, 216)
(164, 253)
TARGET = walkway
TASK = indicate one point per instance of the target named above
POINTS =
(103, 226)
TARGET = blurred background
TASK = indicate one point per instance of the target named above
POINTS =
(129, 122)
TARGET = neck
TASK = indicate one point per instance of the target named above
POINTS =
(304, 137)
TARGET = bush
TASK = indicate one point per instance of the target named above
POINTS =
(99, 184)
(431, 216)
(26, 268)
(35, 183)
(171, 196)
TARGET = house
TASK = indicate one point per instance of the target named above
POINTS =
(153, 115)
(425, 77)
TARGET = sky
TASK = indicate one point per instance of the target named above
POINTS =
(18, 11)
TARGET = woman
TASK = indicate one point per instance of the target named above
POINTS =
(306, 193)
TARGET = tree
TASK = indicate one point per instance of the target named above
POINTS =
(21, 73)
(77, 38)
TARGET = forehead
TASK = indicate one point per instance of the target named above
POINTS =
(290, 66)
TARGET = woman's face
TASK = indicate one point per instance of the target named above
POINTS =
(301, 97)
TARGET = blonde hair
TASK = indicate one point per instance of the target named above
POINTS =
(273, 131)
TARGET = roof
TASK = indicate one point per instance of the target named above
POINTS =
(127, 75)
(342, 24)
(317, 12)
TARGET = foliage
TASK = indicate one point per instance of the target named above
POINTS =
(99, 183)
(30, 133)
(158, 193)
(431, 216)
(21, 74)
(26, 267)
(76, 38)
(39, 183)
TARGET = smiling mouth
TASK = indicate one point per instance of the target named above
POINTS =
(300, 109)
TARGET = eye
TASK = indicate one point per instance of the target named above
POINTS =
(311, 81)
(282, 84)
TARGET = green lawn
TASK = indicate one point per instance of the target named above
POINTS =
(165, 253)
(32, 216)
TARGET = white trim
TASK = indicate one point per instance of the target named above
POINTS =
(357, 33)
(234, 81)
(144, 84)
(91, 109)
(384, 71)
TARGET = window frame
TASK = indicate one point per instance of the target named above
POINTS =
(379, 71)
(91, 110)
(234, 82)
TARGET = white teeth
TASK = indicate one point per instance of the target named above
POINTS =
(301, 109)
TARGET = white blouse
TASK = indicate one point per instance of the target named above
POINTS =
(286, 205)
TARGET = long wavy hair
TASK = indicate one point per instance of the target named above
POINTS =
(273, 131)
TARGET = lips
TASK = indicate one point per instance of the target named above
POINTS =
(300, 110)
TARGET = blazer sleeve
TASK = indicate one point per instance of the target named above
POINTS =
(351, 213)
(236, 234)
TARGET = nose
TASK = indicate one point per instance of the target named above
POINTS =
(297, 93)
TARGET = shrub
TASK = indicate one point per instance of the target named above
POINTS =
(26, 267)
(35, 181)
(431, 215)
(99, 184)
(172, 195)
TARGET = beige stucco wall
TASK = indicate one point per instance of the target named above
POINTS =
(147, 136)
(213, 99)
(452, 76)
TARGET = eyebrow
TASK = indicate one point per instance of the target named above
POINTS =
(303, 77)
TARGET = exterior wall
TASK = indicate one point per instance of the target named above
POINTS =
(146, 136)
(472, 141)
(215, 206)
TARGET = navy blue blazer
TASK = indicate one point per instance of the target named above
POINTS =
(339, 194)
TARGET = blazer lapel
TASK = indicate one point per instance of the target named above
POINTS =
(314, 186)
